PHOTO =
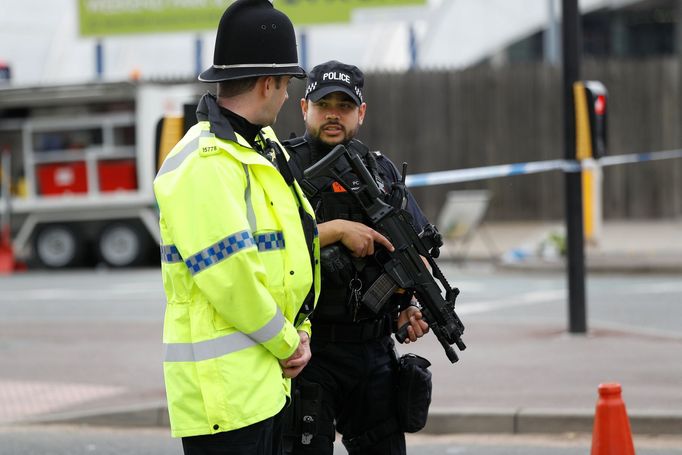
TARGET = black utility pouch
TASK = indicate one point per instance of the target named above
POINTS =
(414, 392)
(337, 266)
(301, 417)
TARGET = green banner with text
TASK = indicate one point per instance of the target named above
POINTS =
(121, 17)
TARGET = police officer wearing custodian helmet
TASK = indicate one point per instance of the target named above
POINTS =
(240, 247)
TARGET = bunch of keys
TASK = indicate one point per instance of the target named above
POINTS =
(354, 301)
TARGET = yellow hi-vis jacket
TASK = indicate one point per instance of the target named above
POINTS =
(236, 269)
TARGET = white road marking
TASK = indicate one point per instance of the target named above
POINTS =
(529, 298)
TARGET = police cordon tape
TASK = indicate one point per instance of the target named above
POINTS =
(533, 167)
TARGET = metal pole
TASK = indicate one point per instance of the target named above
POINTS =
(6, 193)
(303, 46)
(99, 59)
(413, 47)
(678, 30)
(198, 51)
(5, 188)
(678, 49)
(575, 261)
(551, 41)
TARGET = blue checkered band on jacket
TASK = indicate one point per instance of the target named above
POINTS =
(267, 241)
(170, 254)
(219, 251)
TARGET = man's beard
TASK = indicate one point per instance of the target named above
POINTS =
(325, 147)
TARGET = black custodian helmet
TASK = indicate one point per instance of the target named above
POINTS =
(253, 39)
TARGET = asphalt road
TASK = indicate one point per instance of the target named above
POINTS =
(648, 303)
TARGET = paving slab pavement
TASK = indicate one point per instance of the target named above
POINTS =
(628, 246)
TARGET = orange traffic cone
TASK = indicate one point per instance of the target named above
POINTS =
(611, 433)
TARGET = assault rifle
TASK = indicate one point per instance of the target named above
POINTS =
(404, 267)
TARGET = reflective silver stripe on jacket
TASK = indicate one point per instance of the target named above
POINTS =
(173, 162)
(227, 344)
(250, 214)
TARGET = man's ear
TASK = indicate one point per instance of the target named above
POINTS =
(265, 84)
(361, 113)
(304, 108)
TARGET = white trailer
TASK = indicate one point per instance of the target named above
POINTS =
(83, 159)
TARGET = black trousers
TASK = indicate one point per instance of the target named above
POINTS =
(261, 438)
(357, 383)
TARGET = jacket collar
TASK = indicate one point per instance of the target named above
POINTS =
(208, 110)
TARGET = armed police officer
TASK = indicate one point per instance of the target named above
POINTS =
(349, 385)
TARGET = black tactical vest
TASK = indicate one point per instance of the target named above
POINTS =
(344, 278)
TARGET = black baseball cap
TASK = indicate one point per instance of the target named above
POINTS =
(334, 76)
(253, 39)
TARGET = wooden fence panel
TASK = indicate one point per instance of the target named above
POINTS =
(441, 120)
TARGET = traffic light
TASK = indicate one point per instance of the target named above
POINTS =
(591, 100)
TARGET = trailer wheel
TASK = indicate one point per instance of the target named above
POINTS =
(122, 245)
(57, 246)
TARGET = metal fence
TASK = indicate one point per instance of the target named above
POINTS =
(483, 116)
